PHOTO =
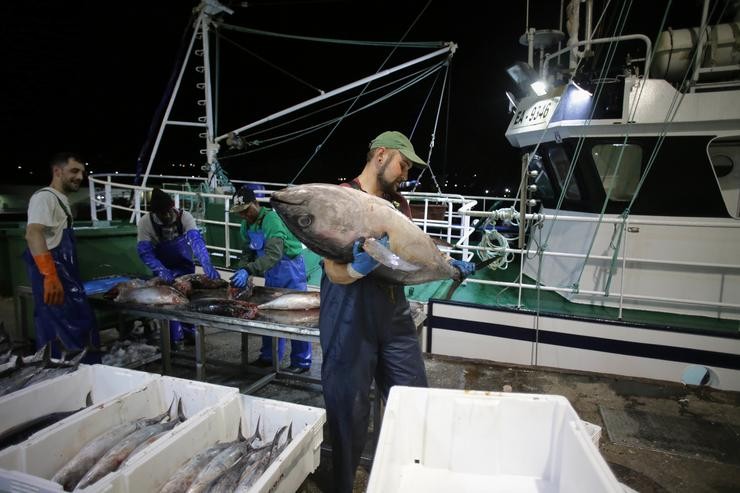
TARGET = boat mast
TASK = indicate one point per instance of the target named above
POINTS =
(207, 9)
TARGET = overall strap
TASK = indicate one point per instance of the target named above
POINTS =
(61, 204)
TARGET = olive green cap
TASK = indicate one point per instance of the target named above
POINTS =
(397, 140)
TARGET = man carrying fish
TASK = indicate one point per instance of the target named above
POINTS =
(273, 252)
(61, 309)
(167, 238)
(367, 331)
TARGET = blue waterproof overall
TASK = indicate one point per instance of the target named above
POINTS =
(287, 273)
(73, 322)
(366, 333)
(177, 256)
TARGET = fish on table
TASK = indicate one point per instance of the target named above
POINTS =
(328, 219)
(293, 301)
(224, 308)
(187, 283)
(151, 295)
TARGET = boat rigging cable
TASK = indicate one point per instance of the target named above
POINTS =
(541, 248)
(434, 131)
(393, 50)
(286, 137)
(426, 71)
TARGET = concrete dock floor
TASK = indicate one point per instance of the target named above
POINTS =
(686, 439)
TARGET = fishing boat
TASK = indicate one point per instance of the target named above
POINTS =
(619, 253)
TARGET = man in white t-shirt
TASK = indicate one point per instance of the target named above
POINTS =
(61, 309)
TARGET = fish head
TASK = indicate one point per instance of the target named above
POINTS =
(317, 217)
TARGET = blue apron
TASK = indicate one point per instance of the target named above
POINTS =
(73, 322)
(287, 273)
(177, 256)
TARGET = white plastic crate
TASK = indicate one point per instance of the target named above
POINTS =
(47, 451)
(439, 440)
(68, 392)
(156, 465)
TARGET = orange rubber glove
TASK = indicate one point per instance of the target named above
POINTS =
(53, 290)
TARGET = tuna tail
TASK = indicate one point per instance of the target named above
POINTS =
(257, 435)
(456, 282)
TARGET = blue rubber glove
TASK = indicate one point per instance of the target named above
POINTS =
(239, 279)
(363, 264)
(145, 249)
(201, 253)
(465, 268)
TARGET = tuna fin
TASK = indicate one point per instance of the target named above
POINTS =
(88, 399)
(180, 413)
(240, 437)
(168, 413)
(75, 362)
(386, 257)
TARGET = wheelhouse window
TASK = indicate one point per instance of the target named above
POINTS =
(725, 156)
(561, 164)
(619, 167)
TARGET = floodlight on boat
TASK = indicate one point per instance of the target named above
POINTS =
(539, 87)
(526, 79)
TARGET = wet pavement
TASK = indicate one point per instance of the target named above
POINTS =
(656, 437)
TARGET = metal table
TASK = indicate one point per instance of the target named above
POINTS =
(168, 313)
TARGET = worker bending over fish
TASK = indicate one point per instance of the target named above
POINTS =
(61, 309)
(166, 241)
(366, 327)
(272, 251)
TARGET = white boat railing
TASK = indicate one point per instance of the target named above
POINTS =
(455, 228)
(450, 218)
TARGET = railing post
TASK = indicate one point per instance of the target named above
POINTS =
(227, 236)
(93, 205)
(137, 205)
(108, 200)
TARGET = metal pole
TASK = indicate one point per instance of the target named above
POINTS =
(198, 24)
(700, 44)
(108, 200)
(93, 205)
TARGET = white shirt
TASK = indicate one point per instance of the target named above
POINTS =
(146, 232)
(44, 209)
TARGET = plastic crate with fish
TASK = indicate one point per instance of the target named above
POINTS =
(297, 457)
(49, 402)
(454, 440)
(55, 451)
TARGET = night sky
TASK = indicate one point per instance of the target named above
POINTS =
(89, 76)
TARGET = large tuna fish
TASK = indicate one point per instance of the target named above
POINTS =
(329, 218)
(154, 295)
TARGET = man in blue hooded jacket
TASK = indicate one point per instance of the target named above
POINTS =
(167, 239)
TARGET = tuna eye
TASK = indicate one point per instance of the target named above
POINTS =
(305, 221)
